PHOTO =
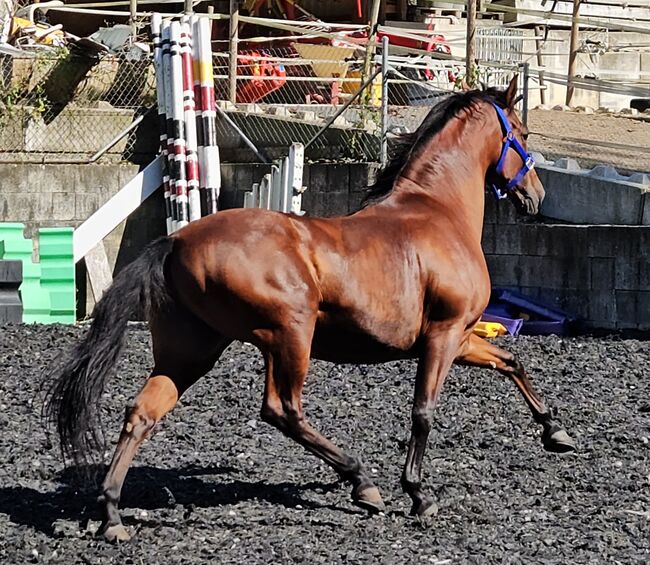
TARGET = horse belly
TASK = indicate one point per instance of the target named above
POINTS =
(343, 343)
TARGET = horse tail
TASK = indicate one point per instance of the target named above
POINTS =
(72, 400)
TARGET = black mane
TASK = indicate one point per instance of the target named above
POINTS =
(406, 144)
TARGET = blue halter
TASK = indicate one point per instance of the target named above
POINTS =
(510, 142)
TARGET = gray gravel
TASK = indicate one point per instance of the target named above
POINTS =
(216, 485)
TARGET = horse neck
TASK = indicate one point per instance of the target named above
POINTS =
(449, 170)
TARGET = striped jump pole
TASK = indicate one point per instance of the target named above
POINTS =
(156, 31)
(209, 164)
(189, 116)
(180, 154)
(165, 35)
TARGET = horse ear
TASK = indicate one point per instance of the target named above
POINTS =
(464, 86)
(511, 92)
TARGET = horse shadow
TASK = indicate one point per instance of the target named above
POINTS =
(148, 488)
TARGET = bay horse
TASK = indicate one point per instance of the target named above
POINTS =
(405, 277)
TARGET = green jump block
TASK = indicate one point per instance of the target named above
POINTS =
(35, 298)
(58, 272)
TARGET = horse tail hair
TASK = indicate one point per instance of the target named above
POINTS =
(75, 383)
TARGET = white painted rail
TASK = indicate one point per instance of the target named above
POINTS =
(117, 209)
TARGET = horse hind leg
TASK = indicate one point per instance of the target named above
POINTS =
(183, 351)
(286, 371)
(480, 353)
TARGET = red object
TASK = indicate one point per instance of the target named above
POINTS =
(253, 90)
(432, 43)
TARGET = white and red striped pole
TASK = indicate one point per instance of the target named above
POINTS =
(209, 164)
(198, 105)
(180, 155)
(167, 83)
(189, 116)
(156, 24)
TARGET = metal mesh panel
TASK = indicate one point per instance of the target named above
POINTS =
(66, 106)
(287, 94)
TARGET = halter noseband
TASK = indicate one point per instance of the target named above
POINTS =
(509, 142)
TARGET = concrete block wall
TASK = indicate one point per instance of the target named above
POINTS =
(66, 195)
(598, 273)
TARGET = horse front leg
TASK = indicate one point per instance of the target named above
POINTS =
(433, 366)
(480, 353)
(286, 370)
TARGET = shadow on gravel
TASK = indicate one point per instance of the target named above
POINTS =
(148, 488)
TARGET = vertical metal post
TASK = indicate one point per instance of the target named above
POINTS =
(188, 7)
(133, 14)
(470, 56)
(539, 45)
(232, 50)
(275, 188)
(384, 100)
(526, 77)
(265, 192)
(295, 174)
(372, 34)
(573, 51)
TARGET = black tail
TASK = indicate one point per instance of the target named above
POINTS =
(72, 400)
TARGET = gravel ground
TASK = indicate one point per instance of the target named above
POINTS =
(217, 485)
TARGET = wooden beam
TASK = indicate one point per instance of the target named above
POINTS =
(573, 51)
(99, 271)
(470, 56)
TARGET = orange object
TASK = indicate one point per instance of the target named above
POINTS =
(268, 77)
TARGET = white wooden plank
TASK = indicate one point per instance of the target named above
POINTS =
(117, 209)
(99, 270)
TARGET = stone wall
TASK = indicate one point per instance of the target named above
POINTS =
(598, 273)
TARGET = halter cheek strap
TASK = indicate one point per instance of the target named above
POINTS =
(510, 142)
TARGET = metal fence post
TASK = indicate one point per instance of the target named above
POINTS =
(133, 14)
(526, 77)
(232, 50)
(384, 101)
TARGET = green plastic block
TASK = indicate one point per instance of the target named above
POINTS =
(35, 298)
(58, 272)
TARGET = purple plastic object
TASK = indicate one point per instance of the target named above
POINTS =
(513, 325)
(544, 327)
(530, 305)
(506, 308)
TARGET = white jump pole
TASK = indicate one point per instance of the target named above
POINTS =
(189, 116)
(180, 152)
(156, 30)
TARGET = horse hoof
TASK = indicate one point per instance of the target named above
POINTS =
(116, 533)
(425, 507)
(369, 499)
(558, 441)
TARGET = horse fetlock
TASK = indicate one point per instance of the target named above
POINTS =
(421, 418)
(114, 533)
(138, 424)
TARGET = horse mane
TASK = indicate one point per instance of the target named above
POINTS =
(406, 145)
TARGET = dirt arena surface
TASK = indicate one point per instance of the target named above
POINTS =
(592, 139)
(216, 485)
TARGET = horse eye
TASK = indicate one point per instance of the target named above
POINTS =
(525, 136)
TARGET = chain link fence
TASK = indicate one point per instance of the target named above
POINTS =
(288, 94)
(61, 105)
(68, 105)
